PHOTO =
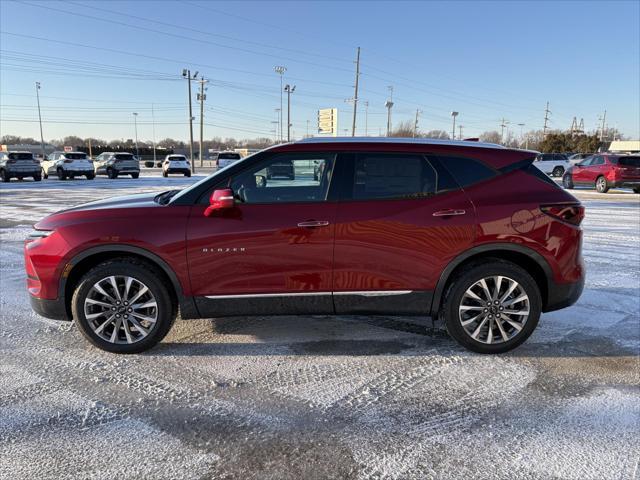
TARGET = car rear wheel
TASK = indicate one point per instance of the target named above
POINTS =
(601, 185)
(188, 174)
(165, 174)
(135, 175)
(636, 190)
(567, 181)
(4, 176)
(61, 174)
(557, 172)
(111, 173)
(91, 176)
(122, 306)
(492, 306)
(37, 178)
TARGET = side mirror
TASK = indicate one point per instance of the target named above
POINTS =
(220, 200)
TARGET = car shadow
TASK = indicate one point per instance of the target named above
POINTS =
(365, 336)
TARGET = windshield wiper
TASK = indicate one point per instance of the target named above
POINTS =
(164, 197)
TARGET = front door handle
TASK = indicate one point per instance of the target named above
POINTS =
(448, 213)
(313, 224)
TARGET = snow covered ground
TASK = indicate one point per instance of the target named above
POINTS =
(323, 397)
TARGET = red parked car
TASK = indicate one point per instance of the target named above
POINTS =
(605, 171)
(468, 232)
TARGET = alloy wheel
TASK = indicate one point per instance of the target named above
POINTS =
(494, 310)
(121, 309)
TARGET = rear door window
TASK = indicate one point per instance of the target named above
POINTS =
(124, 156)
(380, 176)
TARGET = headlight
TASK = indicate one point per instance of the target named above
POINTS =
(37, 235)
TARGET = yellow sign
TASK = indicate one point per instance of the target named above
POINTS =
(328, 121)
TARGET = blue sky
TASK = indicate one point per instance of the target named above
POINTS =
(487, 60)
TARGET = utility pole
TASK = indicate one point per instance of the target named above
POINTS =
(355, 97)
(604, 117)
(521, 125)
(415, 124)
(40, 117)
(289, 89)
(389, 105)
(187, 75)
(153, 133)
(460, 127)
(307, 136)
(280, 69)
(453, 130)
(502, 126)
(135, 123)
(202, 97)
(546, 120)
(90, 156)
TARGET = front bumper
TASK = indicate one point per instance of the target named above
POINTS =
(54, 309)
(562, 295)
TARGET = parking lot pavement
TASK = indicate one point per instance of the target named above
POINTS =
(323, 397)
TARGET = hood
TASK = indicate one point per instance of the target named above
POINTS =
(140, 200)
(100, 208)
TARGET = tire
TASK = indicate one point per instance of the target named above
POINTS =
(111, 173)
(567, 181)
(143, 275)
(37, 178)
(601, 184)
(135, 175)
(188, 174)
(636, 190)
(165, 174)
(61, 174)
(5, 178)
(20, 178)
(557, 172)
(91, 176)
(468, 280)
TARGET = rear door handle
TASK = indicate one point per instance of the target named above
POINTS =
(313, 224)
(448, 213)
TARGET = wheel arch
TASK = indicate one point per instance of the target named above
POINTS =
(82, 263)
(525, 257)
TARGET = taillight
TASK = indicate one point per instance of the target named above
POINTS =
(572, 213)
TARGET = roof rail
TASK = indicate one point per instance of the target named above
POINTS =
(418, 141)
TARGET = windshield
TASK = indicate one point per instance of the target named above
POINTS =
(124, 156)
(21, 156)
(76, 156)
(208, 178)
(229, 156)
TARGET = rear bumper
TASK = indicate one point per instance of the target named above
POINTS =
(177, 170)
(562, 295)
(54, 309)
(79, 172)
(14, 172)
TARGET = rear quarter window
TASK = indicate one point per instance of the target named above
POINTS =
(467, 171)
(626, 161)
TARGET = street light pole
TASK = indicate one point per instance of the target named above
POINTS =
(389, 105)
(202, 97)
(289, 89)
(153, 132)
(280, 69)
(40, 117)
(453, 130)
(186, 74)
(135, 123)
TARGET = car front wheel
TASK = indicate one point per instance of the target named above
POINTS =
(567, 181)
(111, 173)
(122, 306)
(557, 172)
(492, 306)
(4, 176)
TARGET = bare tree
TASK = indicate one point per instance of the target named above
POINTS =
(439, 134)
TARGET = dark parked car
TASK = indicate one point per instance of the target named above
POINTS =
(605, 171)
(284, 169)
(469, 233)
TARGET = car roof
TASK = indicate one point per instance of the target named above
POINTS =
(75, 151)
(19, 151)
(400, 140)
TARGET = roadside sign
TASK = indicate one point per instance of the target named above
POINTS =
(68, 149)
(328, 121)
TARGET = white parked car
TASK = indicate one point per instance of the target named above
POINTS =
(578, 157)
(68, 165)
(176, 164)
(224, 159)
(553, 164)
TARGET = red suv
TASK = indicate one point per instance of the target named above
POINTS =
(468, 232)
(605, 171)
